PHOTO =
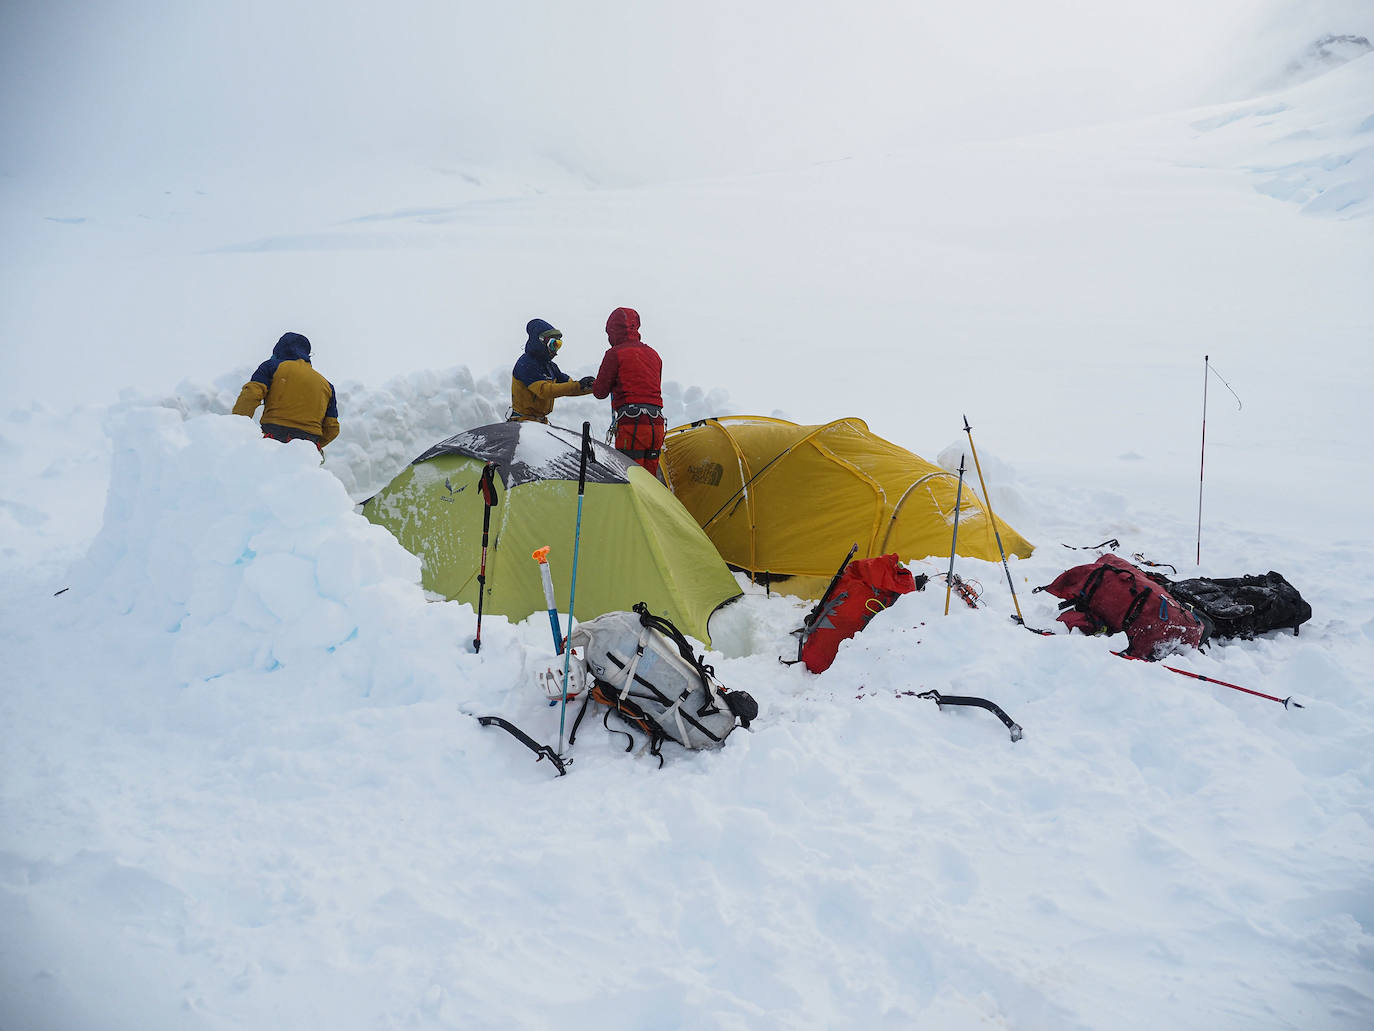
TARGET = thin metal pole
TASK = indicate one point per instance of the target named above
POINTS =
(572, 589)
(1202, 462)
(987, 500)
(954, 541)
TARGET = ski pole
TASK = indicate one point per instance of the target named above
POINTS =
(572, 589)
(987, 499)
(541, 555)
(488, 486)
(954, 541)
(1285, 702)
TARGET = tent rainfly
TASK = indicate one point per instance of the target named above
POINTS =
(783, 499)
(638, 543)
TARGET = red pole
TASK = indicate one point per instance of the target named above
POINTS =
(1285, 702)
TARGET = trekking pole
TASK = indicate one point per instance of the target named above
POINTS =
(1285, 702)
(488, 486)
(987, 500)
(954, 541)
(541, 555)
(572, 589)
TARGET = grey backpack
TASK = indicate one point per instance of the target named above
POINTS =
(643, 669)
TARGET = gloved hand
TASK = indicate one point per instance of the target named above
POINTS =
(586, 382)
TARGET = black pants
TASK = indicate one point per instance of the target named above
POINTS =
(285, 433)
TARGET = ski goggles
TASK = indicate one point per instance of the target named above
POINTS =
(553, 338)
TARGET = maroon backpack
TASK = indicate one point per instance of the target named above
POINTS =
(1111, 595)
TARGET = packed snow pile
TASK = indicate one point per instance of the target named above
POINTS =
(384, 428)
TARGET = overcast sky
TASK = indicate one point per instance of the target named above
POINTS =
(620, 89)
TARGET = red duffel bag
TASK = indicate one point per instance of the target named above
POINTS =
(864, 589)
(1111, 596)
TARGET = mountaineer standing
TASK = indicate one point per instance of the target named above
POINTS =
(632, 374)
(536, 382)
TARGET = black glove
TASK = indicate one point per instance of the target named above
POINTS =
(586, 382)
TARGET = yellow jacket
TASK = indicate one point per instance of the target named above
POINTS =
(296, 396)
(533, 403)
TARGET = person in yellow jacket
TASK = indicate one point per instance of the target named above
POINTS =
(299, 402)
(536, 381)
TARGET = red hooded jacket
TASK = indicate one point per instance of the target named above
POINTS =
(631, 371)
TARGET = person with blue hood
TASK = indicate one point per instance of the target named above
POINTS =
(536, 381)
(299, 403)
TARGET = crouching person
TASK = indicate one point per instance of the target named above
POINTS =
(298, 403)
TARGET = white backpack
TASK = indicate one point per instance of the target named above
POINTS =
(642, 668)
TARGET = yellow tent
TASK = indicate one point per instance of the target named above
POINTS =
(779, 498)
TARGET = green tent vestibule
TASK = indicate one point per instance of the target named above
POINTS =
(638, 543)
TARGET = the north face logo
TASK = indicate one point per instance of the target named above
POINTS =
(706, 472)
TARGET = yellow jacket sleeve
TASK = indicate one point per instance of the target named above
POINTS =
(547, 389)
(252, 395)
(329, 429)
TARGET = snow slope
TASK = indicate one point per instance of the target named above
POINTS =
(240, 784)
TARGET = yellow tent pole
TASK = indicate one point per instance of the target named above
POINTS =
(987, 500)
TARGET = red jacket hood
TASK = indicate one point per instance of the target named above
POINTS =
(623, 327)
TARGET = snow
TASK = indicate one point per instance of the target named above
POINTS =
(240, 781)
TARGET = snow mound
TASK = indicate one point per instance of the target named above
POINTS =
(225, 557)
(383, 429)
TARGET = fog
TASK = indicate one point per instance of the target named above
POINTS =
(106, 93)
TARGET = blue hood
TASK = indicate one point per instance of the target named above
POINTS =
(292, 347)
(536, 363)
(534, 347)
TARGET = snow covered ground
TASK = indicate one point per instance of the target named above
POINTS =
(240, 784)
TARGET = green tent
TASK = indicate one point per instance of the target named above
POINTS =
(638, 542)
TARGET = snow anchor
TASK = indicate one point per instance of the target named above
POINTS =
(542, 751)
(981, 703)
(541, 555)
